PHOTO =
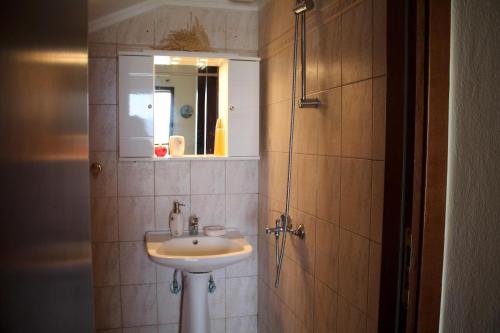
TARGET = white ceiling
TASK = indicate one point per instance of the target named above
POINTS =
(99, 9)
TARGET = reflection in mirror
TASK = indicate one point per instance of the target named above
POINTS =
(186, 104)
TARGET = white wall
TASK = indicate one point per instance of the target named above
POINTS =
(131, 293)
(471, 281)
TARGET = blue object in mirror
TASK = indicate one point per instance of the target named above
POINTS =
(186, 111)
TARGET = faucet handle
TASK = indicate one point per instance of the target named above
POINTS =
(193, 220)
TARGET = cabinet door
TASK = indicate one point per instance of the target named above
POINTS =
(243, 113)
(136, 95)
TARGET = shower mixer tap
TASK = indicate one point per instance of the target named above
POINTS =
(300, 231)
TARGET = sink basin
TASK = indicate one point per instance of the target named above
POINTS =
(197, 254)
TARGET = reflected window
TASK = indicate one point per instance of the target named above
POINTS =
(164, 105)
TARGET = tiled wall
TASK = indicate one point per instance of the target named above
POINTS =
(128, 198)
(330, 280)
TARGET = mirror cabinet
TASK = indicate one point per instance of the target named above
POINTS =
(206, 103)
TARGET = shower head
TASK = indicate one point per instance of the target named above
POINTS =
(303, 6)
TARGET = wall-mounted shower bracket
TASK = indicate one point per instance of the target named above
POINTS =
(300, 11)
(303, 6)
(309, 103)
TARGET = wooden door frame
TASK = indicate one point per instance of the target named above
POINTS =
(418, 58)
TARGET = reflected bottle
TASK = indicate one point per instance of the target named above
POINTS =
(220, 139)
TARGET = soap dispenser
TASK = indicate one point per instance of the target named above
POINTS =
(176, 220)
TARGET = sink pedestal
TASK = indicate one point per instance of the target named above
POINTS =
(195, 303)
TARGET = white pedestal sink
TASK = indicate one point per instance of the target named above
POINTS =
(196, 256)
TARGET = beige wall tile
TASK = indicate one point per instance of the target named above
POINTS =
(313, 46)
(263, 300)
(277, 178)
(105, 264)
(353, 268)
(135, 178)
(172, 328)
(102, 81)
(106, 35)
(172, 177)
(113, 330)
(102, 50)
(357, 37)
(379, 108)
(104, 184)
(135, 217)
(242, 177)
(328, 203)
(329, 122)
(165, 274)
(169, 19)
(279, 66)
(379, 37)
(304, 250)
(377, 211)
(164, 206)
(104, 219)
(139, 305)
(141, 329)
(242, 324)
(340, 51)
(210, 209)
(137, 30)
(295, 189)
(327, 253)
(264, 172)
(329, 61)
(217, 300)
(169, 305)
(276, 313)
(304, 305)
(247, 267)
(107, 307)
(357, 120)
(371, 326)
(102, 128)
(264, 270)
(374, 280)
(135, 265)
(242, 30)
(218, 325)
(208, 177)
(350, 319)
(325, 309)
(288, 280)
(306, 131)
(263, 214)
(213, 21)
(356, 195)
(306, 185)
(241, 300)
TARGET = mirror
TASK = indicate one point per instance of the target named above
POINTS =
(186, 103)
(197, 103)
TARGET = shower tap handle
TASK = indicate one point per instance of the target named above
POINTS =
(277, 230)
(299, 232)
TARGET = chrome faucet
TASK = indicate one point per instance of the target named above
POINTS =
(280, 222)
(193, 225)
